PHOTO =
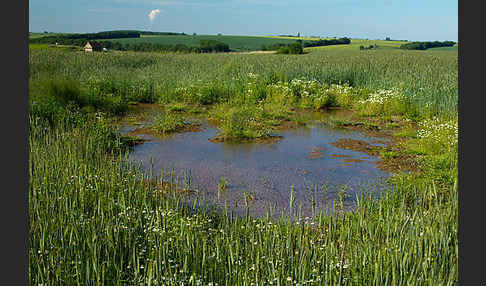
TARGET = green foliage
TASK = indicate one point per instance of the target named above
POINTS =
(203, 93)
(384, 103)
(208, 46)
(67, 91)
(370, 47)
(45, 111)
(81, 39)
(241, 122)
(426, 45)
(294, 49)
(284, 50)
(103, 137)
(205, 46)
(165, 123)
(328, 42)
(235, 43)
(437, 135)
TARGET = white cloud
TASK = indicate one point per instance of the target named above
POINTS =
(153, 14)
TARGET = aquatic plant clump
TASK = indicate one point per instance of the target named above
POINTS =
(244, 122)
(168, 122)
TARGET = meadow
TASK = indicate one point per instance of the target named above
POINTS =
(96, 220)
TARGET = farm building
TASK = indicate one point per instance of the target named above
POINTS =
(92, 46)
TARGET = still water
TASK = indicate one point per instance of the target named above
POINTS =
(303, 160)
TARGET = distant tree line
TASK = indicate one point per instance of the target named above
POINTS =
(318, 43)
(426, 45)
(161, 33)
(105, 35)
(87, 36)
(205, 46)
(294, 48)
(294, 36)
(81, 39)
(58, 39)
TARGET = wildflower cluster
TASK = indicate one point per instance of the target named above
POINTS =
(280, 93)
(439, 133)
(383, 102)
(310, 93)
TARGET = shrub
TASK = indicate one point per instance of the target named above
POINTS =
(296, 48)
(283, 50)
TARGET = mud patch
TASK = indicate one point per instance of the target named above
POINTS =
(353, 160)
(341, 156)
(400, 161)
(316, 153)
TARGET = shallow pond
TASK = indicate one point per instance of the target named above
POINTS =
(303, 160)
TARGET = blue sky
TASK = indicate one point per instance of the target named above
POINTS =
(434, 20)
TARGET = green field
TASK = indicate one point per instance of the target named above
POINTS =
(236, 43)
(356, 43)
(454, 48)
(95, 220)
(50, 47)
(382, 44)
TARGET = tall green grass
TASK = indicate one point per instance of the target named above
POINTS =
(429, 80)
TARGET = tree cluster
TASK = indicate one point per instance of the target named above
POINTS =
(81, 39)
(426, 45)
(297, 48)
(319, 43)
(161, 33)
(205, 46)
